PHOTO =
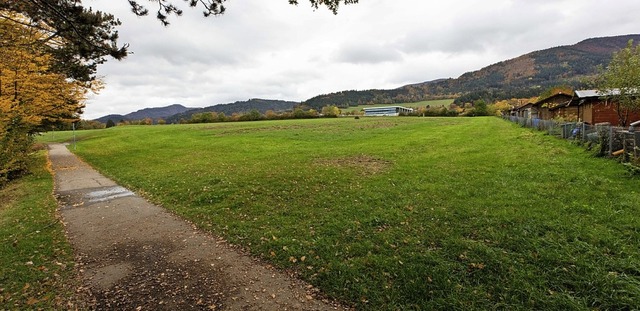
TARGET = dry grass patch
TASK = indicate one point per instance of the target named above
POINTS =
(231, 129)
(362, 164)
(378, 124)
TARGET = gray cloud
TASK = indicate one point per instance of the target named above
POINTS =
(270, 49)
(366, 53)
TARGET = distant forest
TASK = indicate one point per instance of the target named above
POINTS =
(260, 105)
(522, 77)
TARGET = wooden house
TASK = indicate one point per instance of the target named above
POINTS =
(555, 105)
(526, 111)
(594, 107)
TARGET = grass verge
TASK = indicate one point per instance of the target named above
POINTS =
(37, 262)
(400, 213)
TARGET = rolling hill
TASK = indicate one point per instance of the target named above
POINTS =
(174, 113)
(524, 76)
(153, 113)
(261, 105)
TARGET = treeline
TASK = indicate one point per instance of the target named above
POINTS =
(489, 95)
(352, 98)
(300, 112)
(79, 125)
(475, 109)
(239, 107)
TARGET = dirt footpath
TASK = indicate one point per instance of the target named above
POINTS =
(134, 255)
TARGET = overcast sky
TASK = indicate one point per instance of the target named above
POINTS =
(272, 50)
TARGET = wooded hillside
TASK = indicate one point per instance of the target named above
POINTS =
(521, 77)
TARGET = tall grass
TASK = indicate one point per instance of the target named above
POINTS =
(400, 213)
(37, 262)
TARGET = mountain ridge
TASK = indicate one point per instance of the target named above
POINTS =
(154, 113)
(176, 112)
(261, 105)
(523, 76)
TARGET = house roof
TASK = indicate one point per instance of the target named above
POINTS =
(385, 107)
(523, 106)
(541, 100)
(561, 105)
(595, 93)
(548, 98)
(553, 106)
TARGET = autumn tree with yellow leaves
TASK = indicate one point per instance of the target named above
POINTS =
(33, 98)
(49, 53)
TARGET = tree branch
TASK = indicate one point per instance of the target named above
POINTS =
(74, 28)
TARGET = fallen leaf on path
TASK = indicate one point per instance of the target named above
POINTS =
(32, 301)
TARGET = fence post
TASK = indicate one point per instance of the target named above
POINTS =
(636, 148)
(610, 141)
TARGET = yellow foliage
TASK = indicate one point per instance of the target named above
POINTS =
(32, 97)
(332, 111)
(28, 89)
(501, 107)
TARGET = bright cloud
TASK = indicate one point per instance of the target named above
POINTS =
(270, 49)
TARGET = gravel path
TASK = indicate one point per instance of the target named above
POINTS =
(134, 255)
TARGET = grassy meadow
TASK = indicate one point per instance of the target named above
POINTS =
(399, 213)
(37, 262)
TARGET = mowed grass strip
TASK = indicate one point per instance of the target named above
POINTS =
(37, 262)
(400, 213)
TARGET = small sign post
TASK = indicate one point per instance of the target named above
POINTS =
(73, 126)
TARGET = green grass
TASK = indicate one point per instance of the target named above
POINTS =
(65, 136)
(400, 213)
(432, 103)
(37, 261)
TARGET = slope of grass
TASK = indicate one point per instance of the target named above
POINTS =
(401, 213)
(37, 261)
(66, 136)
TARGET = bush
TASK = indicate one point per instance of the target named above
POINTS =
(330, 111)
(253, 115)
(480, 108)
(15, 143)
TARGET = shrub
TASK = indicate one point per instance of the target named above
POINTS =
(15, 143)
(253, 115)
(330, 111)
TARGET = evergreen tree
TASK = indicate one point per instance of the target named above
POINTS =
(77, 38)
